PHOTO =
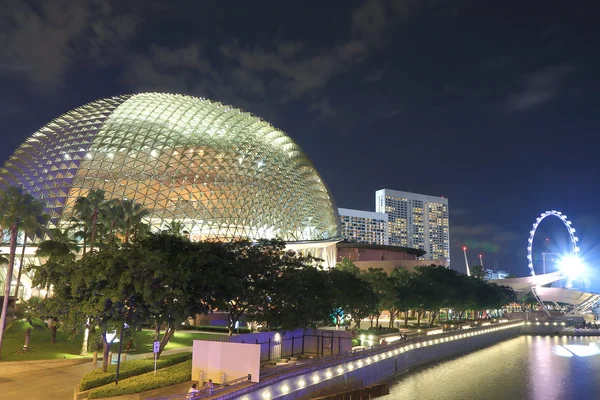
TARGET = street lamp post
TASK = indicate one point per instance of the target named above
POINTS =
(120, 349)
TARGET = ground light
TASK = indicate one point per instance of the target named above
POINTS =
(317, 377)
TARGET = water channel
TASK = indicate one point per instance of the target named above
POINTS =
(527, 367)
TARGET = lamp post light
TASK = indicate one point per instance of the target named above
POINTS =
(123, 327)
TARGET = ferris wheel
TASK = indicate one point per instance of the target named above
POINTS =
(571, 264)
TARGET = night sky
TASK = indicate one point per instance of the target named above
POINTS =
(493, 104)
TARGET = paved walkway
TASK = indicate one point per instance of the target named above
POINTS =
(56, 379)
(33, 380)
(52, 379)
(151, 355)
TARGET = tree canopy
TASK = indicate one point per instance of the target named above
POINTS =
(128, 276)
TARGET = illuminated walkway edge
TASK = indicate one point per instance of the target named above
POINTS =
(376, 365)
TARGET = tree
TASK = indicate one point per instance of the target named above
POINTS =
(175, 228)
(101, 287)
(464, 294)
(433, 289)
(59, 245)
(52, 310)
(87, 210)
(172, 278)
(28, 317)
(347, 265)
(298, 298)
(112, 218)
(18, 210)
(402, 298)
(35, 231)
(351, 296)
(507, 296)
(133, 216)
(478, 272)
(251, 269)
(383, 288)
(159, 277)
(529, 301)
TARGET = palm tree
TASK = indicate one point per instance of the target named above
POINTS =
(112, 217)
(18, 209)
(88, 209)
(81, 230)
(176, 228)
(134, 213)
(3, 262)
(27, 316)
(59, 245)
(36, 231)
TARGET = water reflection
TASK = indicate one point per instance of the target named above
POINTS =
(527, 367)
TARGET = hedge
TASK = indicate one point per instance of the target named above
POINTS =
(98, 378)
(212, 328)
(173, 375)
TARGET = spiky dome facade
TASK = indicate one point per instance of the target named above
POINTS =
(222, 172)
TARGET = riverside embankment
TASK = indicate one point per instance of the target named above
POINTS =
(375, 365)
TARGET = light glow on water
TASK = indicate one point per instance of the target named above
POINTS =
(526, 367)
(561, 351)
(582, 351)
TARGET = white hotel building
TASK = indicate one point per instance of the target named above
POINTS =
(364, 226)
(417, 221)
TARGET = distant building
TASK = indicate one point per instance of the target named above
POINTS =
(364, 226)
(388, 258)
(497, 274)
(416, 221)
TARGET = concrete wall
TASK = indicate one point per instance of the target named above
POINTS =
(389, 266)
(223, 362)
(543, 328)
(358, 254)
(376, 365)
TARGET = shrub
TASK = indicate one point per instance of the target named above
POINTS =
(382, 331)
(212, 328)
(422, 326)
(172, 375)
(98, 378)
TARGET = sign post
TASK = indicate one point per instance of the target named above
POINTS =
(156, 349)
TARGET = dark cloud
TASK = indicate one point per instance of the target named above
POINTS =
(369, 20)
(391, 112)
(322, 108)
(459, 212)
(375, 76)
(424, 95)
(297, 74)
(277, 73)
(540, 87)
(483, 237)
(41, 41)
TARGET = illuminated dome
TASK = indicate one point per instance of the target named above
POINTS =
(222, 172)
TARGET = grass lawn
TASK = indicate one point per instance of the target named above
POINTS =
(66, 346)
(143, 340)
(40, 347)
